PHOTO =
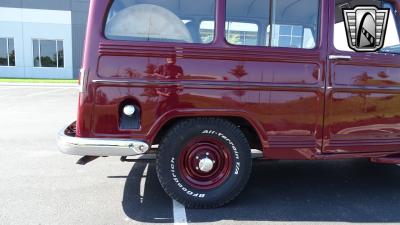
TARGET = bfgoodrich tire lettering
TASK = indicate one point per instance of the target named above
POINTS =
(204, 162)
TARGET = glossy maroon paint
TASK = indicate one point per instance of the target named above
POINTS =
(301, 105)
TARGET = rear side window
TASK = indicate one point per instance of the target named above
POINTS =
(161, 20)
(275, 23)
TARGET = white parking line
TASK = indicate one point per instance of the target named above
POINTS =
(46, 92)
(33, 85)
(7, 88)
(143, 183)
(179, 213)
(36, 87)
(6, 96)
(53, 89)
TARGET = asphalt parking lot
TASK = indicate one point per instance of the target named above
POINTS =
(39, 185)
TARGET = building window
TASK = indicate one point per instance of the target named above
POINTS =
(48, 53)
(207, 31)
(288, 36)
(161, 21)
(7, 52)
(239, 33)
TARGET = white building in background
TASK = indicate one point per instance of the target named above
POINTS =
(41, 38)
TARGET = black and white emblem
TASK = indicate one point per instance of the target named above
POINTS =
(366, 27)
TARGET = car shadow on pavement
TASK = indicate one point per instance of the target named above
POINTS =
(151, 204)
(286, 191)
(319, 191)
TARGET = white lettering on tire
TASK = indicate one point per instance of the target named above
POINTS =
(237, 168)
(180, 185)
(235, 150)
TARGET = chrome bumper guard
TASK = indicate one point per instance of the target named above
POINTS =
(72, 145)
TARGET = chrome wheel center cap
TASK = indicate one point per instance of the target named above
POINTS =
(206, 165)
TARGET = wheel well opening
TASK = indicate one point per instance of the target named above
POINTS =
(161, 133)
(247, 129)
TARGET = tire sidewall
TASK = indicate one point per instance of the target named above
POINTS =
(239, 157)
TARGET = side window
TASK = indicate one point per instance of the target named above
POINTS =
(392, 41)
(295, 23)
(275, 23)
(161, 20)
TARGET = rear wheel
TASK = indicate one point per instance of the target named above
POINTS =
(204, 162)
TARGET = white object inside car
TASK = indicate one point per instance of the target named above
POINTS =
(149, 22)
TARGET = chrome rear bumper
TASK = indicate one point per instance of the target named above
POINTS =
(72, 145)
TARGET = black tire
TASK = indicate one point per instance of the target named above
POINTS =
(236, 151)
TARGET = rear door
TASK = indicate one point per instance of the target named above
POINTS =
(363, 90)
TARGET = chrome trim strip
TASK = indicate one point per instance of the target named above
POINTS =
(376, 89)
(99, 147)
(215, 84)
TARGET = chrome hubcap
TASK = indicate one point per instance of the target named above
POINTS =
(206, 165)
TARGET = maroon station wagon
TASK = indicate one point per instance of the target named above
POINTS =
(206, 85)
